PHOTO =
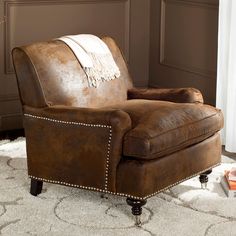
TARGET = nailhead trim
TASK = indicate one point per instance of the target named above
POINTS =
(121, 194)
(84, 187)
(68, 122)
(87, 125)
(108, 158)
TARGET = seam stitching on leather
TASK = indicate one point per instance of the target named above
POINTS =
(36, 72)
(87, 125)
(211, 134)
(123, 194)
(179, 127)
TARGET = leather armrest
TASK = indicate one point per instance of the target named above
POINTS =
(82, 140)
(180, 95)
(116, 118)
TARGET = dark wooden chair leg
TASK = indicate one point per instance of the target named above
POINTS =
(36, 187)
(136, 209)
(204, 178)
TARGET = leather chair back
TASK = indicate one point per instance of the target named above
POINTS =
(48, 73)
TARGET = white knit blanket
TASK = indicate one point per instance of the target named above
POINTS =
(94, 56)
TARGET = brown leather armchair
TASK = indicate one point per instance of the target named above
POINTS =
(113, 139)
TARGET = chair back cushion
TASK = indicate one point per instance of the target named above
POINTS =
(48, 73)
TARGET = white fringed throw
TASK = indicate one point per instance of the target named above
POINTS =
(94, 56)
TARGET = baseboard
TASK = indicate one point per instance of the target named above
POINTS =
(11, 122)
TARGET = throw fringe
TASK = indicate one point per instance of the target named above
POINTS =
(104, 69)
(94, 56)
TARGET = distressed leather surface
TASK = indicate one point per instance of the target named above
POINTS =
(181, 95)
(111, 138)
(160, 127)
(52, 67)
(142, 177)
(75, 153)
(29, 86)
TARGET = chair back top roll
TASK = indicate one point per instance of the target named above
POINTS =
(48, 73)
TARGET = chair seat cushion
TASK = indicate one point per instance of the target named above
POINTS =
(160, 128)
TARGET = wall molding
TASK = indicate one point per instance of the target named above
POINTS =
(193, 3)
(163, 59)
(9, 97)
(7, 120)
(5, 116)
(9, 3)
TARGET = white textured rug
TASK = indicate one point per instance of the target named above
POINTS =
(63, 211)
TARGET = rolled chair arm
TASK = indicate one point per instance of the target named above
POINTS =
(180, 95)
(76, 143)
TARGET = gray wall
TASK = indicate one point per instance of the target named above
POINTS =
(183, 45)
(27, 21)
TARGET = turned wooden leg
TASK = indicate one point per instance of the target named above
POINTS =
(36, 187)
(204, 178)
(136, 209)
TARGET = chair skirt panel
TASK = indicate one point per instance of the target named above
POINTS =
(144, 179)
(82, 153)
